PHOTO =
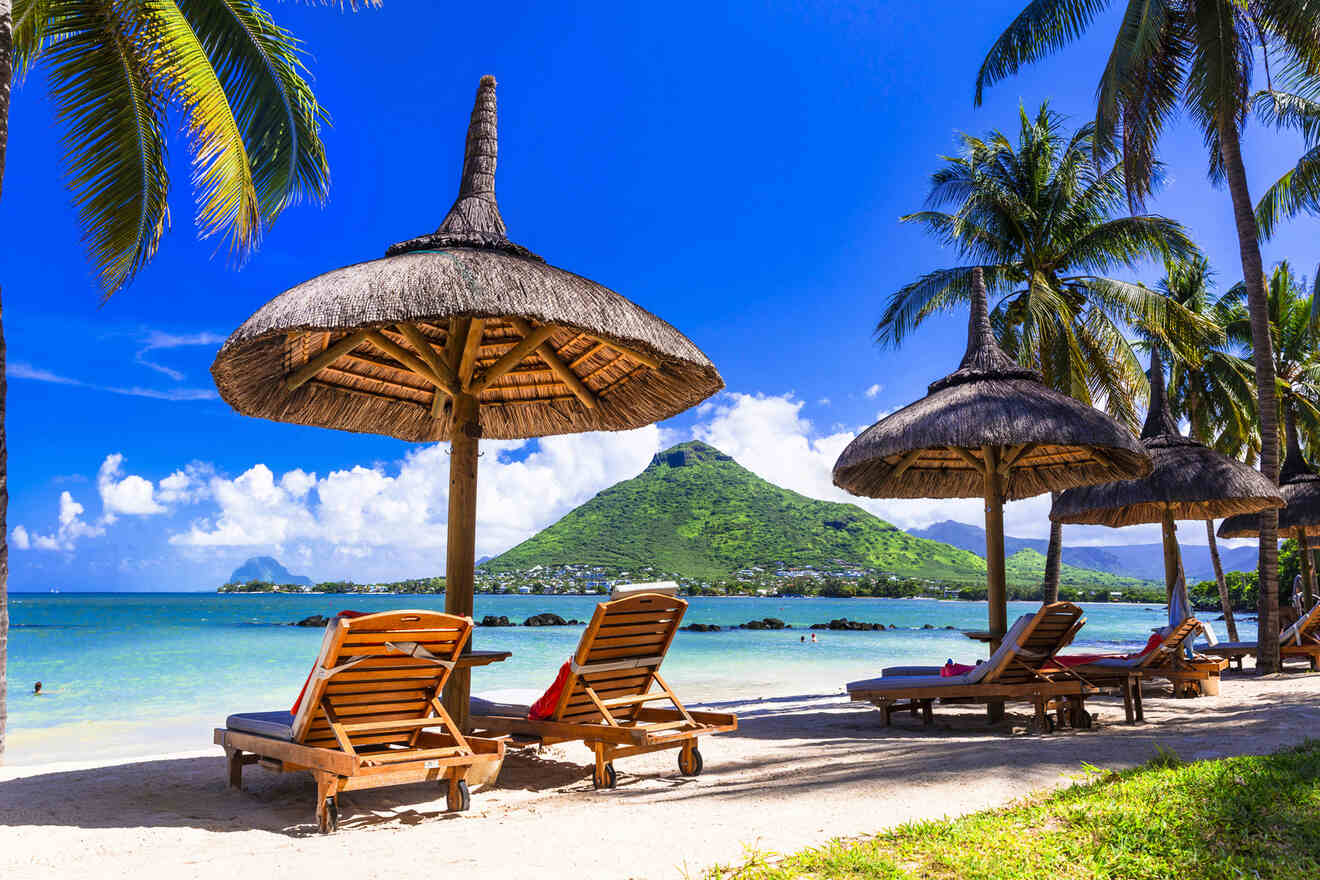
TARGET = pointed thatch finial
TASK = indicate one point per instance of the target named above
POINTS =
(1159, 420)
(475, 210)
(984, 359)
(474, 221)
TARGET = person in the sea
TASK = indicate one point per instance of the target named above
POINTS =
(36, 689)
(813, 637)
(802, 638)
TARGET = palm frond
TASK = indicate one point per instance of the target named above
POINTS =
(259, 66)
(104, 94)
(1042, 28)
(31, 33)
(226, 194)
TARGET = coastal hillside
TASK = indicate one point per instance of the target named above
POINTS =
(695, 511)
(266, 569)
(1027, 566)
(1144, 561)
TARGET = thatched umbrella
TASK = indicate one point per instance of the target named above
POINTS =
(1301, 517)
(990, 429)
(1190, 481)
(457, 335)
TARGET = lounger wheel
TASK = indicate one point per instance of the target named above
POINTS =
(328, 821)
(605, 778)
(689, 761)
(460, 797)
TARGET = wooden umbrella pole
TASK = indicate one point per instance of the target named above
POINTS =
(996, 592)
(996, 587)
(1170, 531)
(460, 551)
(1308, 586)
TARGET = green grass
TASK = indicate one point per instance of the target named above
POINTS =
(1254, 817)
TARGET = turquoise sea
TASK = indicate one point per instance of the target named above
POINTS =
(127, 674)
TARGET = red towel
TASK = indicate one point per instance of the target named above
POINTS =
(950, 669)
(1069, 660)
(346, 615)
(544, 707)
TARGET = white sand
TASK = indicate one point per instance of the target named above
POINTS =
(800, 771)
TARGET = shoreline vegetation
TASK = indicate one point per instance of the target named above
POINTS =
(597, 581)
(1249, 816)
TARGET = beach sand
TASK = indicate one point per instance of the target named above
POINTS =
(799, 771)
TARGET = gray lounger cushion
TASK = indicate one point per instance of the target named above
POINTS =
(276, 725)
(478, 706)
(911, 670)
(1228, 647)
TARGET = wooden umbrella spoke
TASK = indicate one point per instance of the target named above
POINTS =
(510, 359)
(304, 373)
(467, 362)
(428, 353)
(558, 367)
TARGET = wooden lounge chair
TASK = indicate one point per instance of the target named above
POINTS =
(1302, 639)
(1022, 669)
(1165, 661)
(604, 700)
(365, 717)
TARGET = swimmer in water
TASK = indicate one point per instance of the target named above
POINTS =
(36, 689)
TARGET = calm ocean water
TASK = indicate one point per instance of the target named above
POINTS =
(132, 674)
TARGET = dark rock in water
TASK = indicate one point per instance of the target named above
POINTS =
(702, 627)
(766, 623)
(1220, 617)
(927, 626)
(548, 619)
(948, 627)
(853, 625)
(893, 626)
(314, 620)
(492, 620)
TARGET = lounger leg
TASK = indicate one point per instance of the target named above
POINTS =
(234, 758)
(927, 712)
(1129, 714)
(1136, 698)
(1042, 717)
(327, 806)
(883, 706)
(994, 710)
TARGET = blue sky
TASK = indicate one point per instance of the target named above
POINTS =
(736, 168)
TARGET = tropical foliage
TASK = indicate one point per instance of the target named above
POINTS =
(1196, 56)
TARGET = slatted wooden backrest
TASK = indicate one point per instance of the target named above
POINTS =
(1174, 642)
(1305, 630)
(632, 629)
(388, 685)
(1050, 630)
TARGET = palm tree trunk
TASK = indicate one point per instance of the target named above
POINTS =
(1049, 588)
(1262, 357)
(6, 80)
(1224, 599)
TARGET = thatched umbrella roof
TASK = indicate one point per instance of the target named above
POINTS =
(1189, 481)
(990, 429)
(382, 346)
(922, 450)
(1301, 492)
(456, 335)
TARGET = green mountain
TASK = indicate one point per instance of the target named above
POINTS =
(696, 512)
(1028, 567)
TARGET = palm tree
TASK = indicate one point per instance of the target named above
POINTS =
(116, 68)
(1294, 336)
(1196, 54)
(1046, 226)
(1211, 387)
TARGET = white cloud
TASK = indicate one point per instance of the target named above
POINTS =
(157, 340)
(824, 401)
(124, 494)
(360, 510)
(21, 370)
(71, 528)
(874, 390)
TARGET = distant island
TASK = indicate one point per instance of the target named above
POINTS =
(267, 569)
